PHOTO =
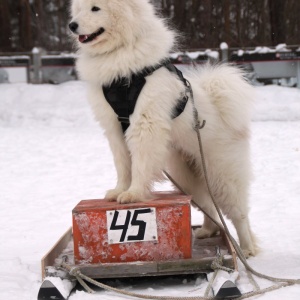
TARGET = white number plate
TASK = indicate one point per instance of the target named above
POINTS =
(131, 225)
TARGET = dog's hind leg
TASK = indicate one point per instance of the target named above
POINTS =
(236, 211)
(232, 197)
(240, 220)
(181, 173)
(202, 198)
(184, 171)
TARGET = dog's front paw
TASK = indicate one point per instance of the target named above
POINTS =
(112, 195)
(130, 197)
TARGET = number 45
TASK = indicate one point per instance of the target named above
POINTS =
(132, 221)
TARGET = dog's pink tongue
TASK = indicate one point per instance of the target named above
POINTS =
(82, 38)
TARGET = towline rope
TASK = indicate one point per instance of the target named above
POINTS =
(75, 271)
(283, 281)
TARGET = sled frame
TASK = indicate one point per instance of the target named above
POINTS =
(204, 252)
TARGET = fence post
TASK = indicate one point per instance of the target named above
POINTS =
(224, 52)
(37, 64)
(298, 74)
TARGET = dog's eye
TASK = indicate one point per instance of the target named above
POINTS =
(95, 8)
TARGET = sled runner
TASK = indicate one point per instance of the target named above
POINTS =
(153, 238)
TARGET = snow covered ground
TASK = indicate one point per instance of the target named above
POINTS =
(52, 155)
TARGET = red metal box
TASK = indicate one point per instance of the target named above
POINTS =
(108, 232)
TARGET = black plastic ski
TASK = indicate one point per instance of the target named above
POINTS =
(228, 291)
(48, 291)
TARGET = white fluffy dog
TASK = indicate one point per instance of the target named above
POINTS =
(118, 40)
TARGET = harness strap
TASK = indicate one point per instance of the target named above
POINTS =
(179, 108)
(122, 94)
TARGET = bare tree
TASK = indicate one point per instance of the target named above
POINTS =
(25, 24)
(277, 20)
(292, 21)
(5, 33)
(25, 28)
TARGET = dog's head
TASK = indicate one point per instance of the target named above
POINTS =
(102, 26)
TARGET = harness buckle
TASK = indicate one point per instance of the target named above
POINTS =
(123, 120)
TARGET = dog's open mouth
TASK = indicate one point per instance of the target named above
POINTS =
(86, 38)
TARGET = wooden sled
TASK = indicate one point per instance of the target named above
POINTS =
(202, 252)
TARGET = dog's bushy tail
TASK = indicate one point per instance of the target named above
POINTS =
(230, 92)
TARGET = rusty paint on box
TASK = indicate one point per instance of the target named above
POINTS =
(173, 241)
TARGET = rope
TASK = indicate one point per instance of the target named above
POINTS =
(83, 284)
(216, 265)
(210, 283)
(76, 273)
(252, 280)
(284, 281)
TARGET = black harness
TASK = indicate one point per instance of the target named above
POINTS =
(122, 94)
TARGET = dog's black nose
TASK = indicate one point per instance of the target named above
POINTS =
(73, 26)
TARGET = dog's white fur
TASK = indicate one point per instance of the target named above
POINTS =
(135, 38)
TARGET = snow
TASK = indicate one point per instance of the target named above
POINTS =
(263, 50)
(240, 52)
(282, 48)
(35, 50)
(224, 46)
(195, 54)
(13, 57)
(53, 154)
